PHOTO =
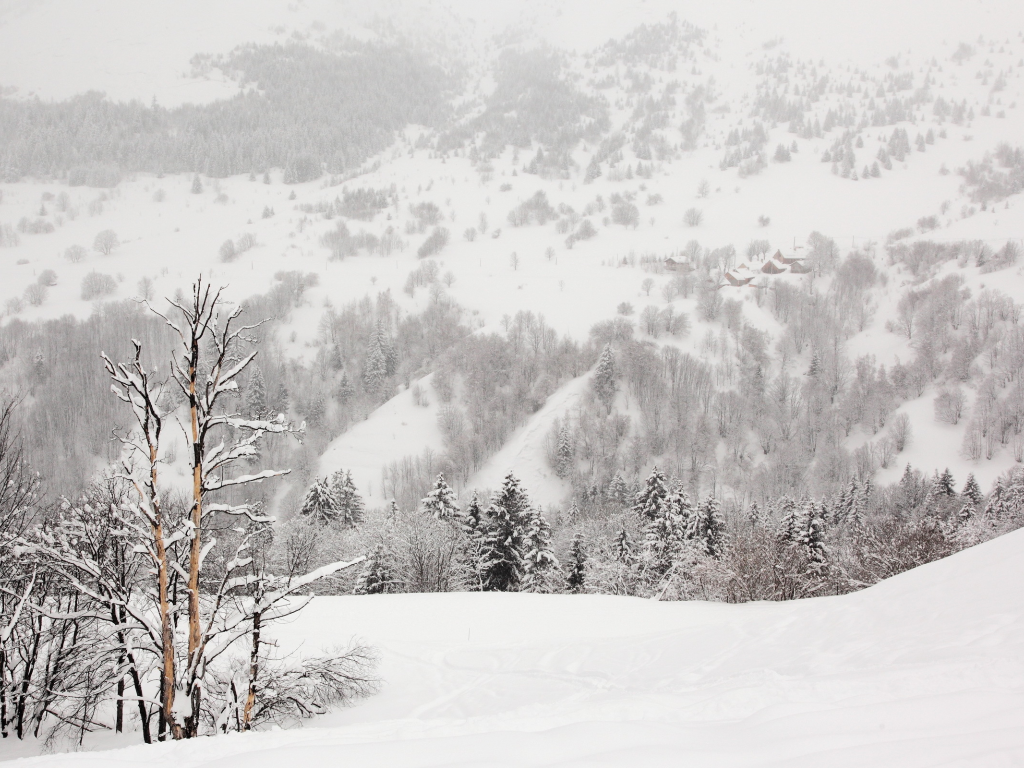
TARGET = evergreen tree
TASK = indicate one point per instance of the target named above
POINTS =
(706, 527)
(573, 515)
(501, 555)
(809, 531)
(320, 503)
(754, 515)
(513, 499)
(604, 377)
(624, 547)
(471, 519)
(345, 389)
(376, 577)
(577, 577)
(440, 502)
(256, 395)
(972, 491)
(787, 529)
(650, 501)
(564, 452)
(350, 503)
(593, 170)
(538, 558)
(618, 490)
(376, 369)
(197, 185)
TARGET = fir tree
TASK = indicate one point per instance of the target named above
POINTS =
(604, 377)
(376, 577)
(350, 503)
(706, 527)
(787, 529)
(440, 502)
(946, 483)
(650, 501)
(376, 368)
(345, 390)
(564, 452)
(320, 503)
(538, 559)
(501, 555)
(197, 185)
(972, 491)
(573, 515)
(618, 490)
(624, 547)
(754, 515)
(256, 395)
(809, 531)
(577, 577)
(513, 499)
(593, 170)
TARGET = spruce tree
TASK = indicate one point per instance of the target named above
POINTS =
(513, 498)
(787, 528)
(618, 490)
(624, 547)
(972, 491)
(256, 395)
(604, 377)
(376, 577)
(538, 559)
(706, 527)
(809, 531)
(564, 452)
(320, 503)
(376, 369)
(650, 501)
(576, 580)
(501, 555)
(350, 503)
(440, 503)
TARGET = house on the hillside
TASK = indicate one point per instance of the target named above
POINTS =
(772, 267)
(797, 267)
(672, 265)
(737, 280)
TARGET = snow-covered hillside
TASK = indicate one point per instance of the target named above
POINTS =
(922, 670)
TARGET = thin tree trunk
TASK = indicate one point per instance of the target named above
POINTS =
(195, 551)
(254, 669)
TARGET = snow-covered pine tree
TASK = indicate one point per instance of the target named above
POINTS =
(971, 492)
(564, 452)
(320, 503)
(754, 516)
(604, 376)
(376, 369)
(501, 555)
(651, 499)
(618, 490)
(810, 531)
(376, 577)
(350, 503)
(623, 547)
(344, 390)
(538, 559)
(256, 394)
(572, 515)
(576, 579)
(787, 529)
(706, 527)
(440, 503)
(513, 498)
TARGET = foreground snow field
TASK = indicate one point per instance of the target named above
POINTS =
(924, 669)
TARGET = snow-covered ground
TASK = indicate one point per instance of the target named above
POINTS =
(925, 669)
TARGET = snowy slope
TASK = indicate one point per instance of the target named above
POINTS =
(922, 670)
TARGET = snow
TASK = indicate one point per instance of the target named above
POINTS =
(924, 669)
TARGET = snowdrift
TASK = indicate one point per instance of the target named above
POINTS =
(924, 669)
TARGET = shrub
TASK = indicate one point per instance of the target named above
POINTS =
(75, 253)
(47, 277)
(105, 242)
(693, 217)
(625, 214)
(96, 285)
(227, 251)
(35, 294)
